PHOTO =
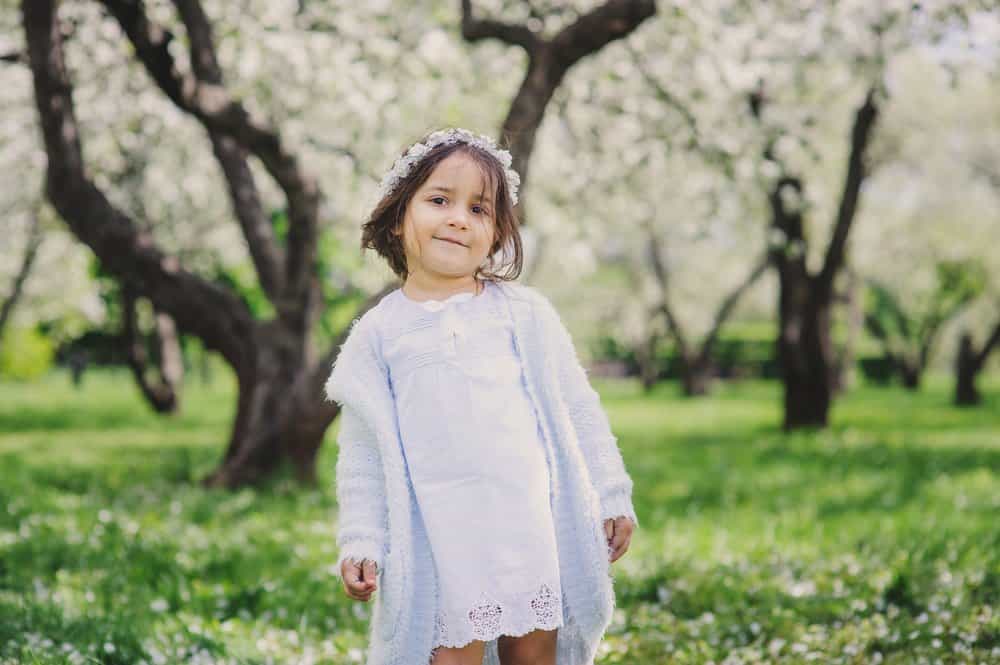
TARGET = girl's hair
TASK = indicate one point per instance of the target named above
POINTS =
(388, 214)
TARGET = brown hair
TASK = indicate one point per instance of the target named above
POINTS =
(388, 214)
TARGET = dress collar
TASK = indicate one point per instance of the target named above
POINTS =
(437, 305)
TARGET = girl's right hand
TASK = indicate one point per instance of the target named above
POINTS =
(359, 578)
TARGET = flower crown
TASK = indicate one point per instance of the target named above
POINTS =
(402, 166)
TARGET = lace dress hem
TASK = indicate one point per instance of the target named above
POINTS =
(487, 620)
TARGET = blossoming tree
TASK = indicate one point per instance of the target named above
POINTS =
(265, 326)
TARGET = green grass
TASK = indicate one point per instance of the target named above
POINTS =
(876, 540)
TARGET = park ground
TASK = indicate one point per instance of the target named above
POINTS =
(875, 541)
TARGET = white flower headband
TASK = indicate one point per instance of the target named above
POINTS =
(402, 166)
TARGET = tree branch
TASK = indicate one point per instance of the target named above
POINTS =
(660, 272)
(199, 307)
(864, 120)
(591, 32)
(211, 104)
(548, 62)
(474, 30)
(27, 262)
(257, 229)
(162, 395)
(993, 341)
(726, 309)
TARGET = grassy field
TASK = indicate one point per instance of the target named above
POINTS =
(876, 541)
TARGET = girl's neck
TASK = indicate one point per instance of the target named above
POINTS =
(420, 293)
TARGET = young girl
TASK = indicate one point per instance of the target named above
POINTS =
(477, 474)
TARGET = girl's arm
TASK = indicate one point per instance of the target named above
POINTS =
(598, 443)
(363, 522)
(362, 525)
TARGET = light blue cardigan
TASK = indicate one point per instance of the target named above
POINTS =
(379, 518)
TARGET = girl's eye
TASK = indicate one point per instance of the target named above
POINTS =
(480, 209)
(436, 198)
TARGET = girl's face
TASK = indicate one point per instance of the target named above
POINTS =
(449, 227)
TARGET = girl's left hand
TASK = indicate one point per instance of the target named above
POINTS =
(619, 533)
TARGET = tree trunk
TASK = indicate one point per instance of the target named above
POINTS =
(805, 350)
(910, 373)
(968, 365)
(275, 422)
(645, 355)
(696, 376)
(966, 392)
(805, 346)
(280, 416)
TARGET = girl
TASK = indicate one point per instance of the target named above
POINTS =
(477, 474)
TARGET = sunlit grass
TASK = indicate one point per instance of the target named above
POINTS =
(872, 541)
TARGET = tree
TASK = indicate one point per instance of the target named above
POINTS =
(279, 376)
(549, 60)
(805, 348)
(908, 338)
(659, 203)
(802, 72)
(936, 199)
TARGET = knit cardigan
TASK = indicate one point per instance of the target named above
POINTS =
(378, 514)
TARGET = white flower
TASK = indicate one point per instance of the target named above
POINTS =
(404, 165)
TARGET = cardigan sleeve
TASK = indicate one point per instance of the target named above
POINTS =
(362, 525)
(598, 443)
(363, 522)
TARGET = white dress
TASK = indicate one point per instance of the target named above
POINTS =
(479, 469)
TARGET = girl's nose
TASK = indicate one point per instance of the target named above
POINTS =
(460, 219)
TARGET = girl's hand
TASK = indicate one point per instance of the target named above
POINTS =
(359, 578)
(619, 533)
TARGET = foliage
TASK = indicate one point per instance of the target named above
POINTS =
(873, 542)
(25, 354)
